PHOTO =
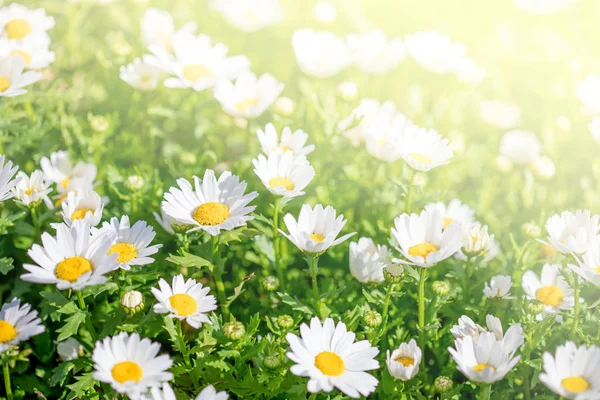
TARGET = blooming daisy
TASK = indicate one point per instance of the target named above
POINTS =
(435, 51)
(594, 128)
(541, 7)
(403, 363)
(129, 364)
(316, 229)
(543, 167)
(12, 77)
(498, 287)
(18, 323)
(424, 149)
(7, 183)
(454, 211)
(72, 259)
(422, 241)
(550, 289)
(589, 264)
(249, 15)
(320, 54)
(367, 260)
(85, 205)
(328, 356)
(130, 243)
(69, 177)
(588, 93)
(511, 340)
(185, 300)
(466, 327)
(477, 242)
(249, 96)
(294, 142)
(211, 205)
(375, 53)
(160, 393)
(142, 73)
(521, 147)
(572, 233)
(31, 189)
(367, 116)
(500, 114)
(157, 28)
(573, 372)
(283, 174)
(34, 50)
(384, 134)
(18, 22)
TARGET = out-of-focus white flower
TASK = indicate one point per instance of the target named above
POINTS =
(31, 189)
(34, 50)
(165, 221)
(347, 90)
(141, 73)
(424, 149)
(12, 77)
(367, 260)
(522, 147)
(375, 53)
(249, 15)
(383, 135)
(511, 340)
(249, 96)
(588, 92)
(7, 183)
(589, 264)
(454, 211)
(572, 232)
(594, 127)
(541, 7)
(435, 51)
(284, 106)
(543, 167)
(69, 349)
(294, 142)
(324, 12)
(550, 289)
(477, 242)
(469, 72)
(498, 288)
(18, 22)
(361, 119)
(499, 113)
(158, 28)
(320, 54)
(86, 205)
(403, 363)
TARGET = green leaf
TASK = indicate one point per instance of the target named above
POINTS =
(6, 265)
(72, 326)
(218, 364)
(239, 235)
(188, 260)
(84, 383)
(54, 299)
(294, 303)
(238, 290)
(61, 373)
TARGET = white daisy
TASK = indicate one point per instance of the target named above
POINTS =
(522, 147)
(130, 243)
(69, 177)
(500, 114)
(185, 300)
(347, 90)
(328, 356)
(7, 183)
(454, 211)
(249, 96)
(589, 264)
(18, 22)
(466, 327)
(34, 50)
(541, 7)
(12, 77)
(294, 142)
(31, 189)
(141, 74)
(573, 372)
(367, 260)
(160, 393)
(320, 54)
(375, 53)
(498, 287)
(594, 128)
(211, 205)
(543, 167)
(283, 174)
(422, 241)
(366, 117)
(383, 135)
(324, 11)
(588, 92)
(511, 340)
(572, 233)
(551, 289)
(210, 393)
(477, 242)
(249, 15)
(435, 51)
(157, 28)
(18, 323)
(424, 149)
(403, 363)
(316, 229)
(72, 259)
(130, 365)
(85, 205)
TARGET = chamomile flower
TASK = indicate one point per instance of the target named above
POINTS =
(34, 50)
(383, 135)
(424, 149)
(455, 210)
(18, 323)
(185, 300)
(550, 289)
(210, 393)
(129, 364)
(18, 22)
(572, 233)
(321, 54)
(422, 241)
(130, 243)
(367, 115)
(589, 265)
(212, 205)
(466, 327)
(7, 183)
(72, 259)
(142, 73)
(543, 167)
(511, 340)
(249, 96)
(328, 356)
(316, 229)
(367, 260)
(157, 28)
(403, 363)
(249, 15)
(375, 53)
(283, 174)
(435, 51)
(522, 147)
(588, 93)
(594, 128)
(289, 141)
(573, 372)
(12, 77)
(541, 7)
(500, 114)
(498, 287)
(31, 189)
(477, 242)
(84, 205)
(69, 176)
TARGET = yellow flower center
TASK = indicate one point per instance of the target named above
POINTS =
(23, 54)
(184, 304)
(7, 332)
(447, 222)
(126, 371)
(126, 251)
(597, 270)
(406, 361)
(4, 83)
(144, 79)
(244, 105)
(28, 191)
(59, 201)
(80, 214)
(193, 72)
(70, 269)
(550, 295)
(211, 213)
(575, 384)
(279, 181)
(283, 148)
(422, 249)
(329, 363)
(65, 182)
(17, 29)
(420, 158)
(481, 367)
(316, 237)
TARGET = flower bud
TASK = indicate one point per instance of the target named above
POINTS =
(99, 123)
(132, 302)
(347, 90)
(531, 229)
(441, 288)
(270, 283)
(534, 307)
(69, 349)
(181, 228)
(442, 384)
(234, 330)
(134, 182)
(284, 106)
(393, 273)
(372, 319)
(285, 321)
(543, 167)
(272, 361)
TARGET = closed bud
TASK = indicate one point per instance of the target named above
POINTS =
(393, 273)
(284, 106)
(347, 90)
(234, 330)
(99, 123)
(181, 228)
(442, 384)
(441, 288)
(531, 229)
(132, 302)
(534, 307)
(270, 283)
(285, 321)
(134, 182)
(69, 349)
(372, 319)
(272, 361)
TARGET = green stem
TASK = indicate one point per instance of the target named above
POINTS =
(313, 263)
(34, 221)
(409, 192)
(9, 395)
(422, 276)
(576, 308)
(526, 385)
(276, 247)
(388, 296)
(218, 275)
(485, 392)
(467, 279)
(88, 316)
(182, 346)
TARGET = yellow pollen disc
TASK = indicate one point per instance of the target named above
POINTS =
(145, 79)
(597, 270)
(65, 182)
(406, 361)
(242, 106)
(184, 304)
(279, 181)
(420, 158)
(126, 251)
(127, 371)
(329, 363)
(28, 192)
(316, 237)
(422, 249)
(211, 213)
(575, 384)
(24, 55)
(4, 83)
(17, 29)
(80, 214)
(447, 222)
(283, 148)
(193, 72)
(59, 201)
(70, 269)
(7, 332)
(481, 367)
(550, 295)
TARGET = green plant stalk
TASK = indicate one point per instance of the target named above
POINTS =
(386, 305)
(88, 317)
(276, 247)
(485, 392)
(408, 206)
(422, 275)
(313, 263)
(34, 220)
(182, 346)
(218, 275)
(9, 395)
(576, 306)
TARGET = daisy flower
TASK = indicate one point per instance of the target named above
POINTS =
(31, 189)
(455, 210)
(249, 96)
(160, 393)
(572, 233)
(422, 241)
(589, 264)
(157, 28)
(84, 205)
(320, 54)
(294, 142)
(550, 289)
(435, 51)
(18, 22)
(18, 323)
(375, 53)
(328, 356)
(367, 260)
(594, 128)
(424, 149)
(72, 259)
(511, 340)
(543, 167)
(542, 7)
(249, 15)
(477, 242)
(185, 300)
(498, 287)
(34, 50)
(129, 364)
(403, 363)
(500, 114)
(211, 205)
(12, 77)
(283, 174)
(588, 93)
(7, 183)
(368, 114)
(573, 372)
(521, 147)
(130, 243)
(384, 133)
(68, 176)
(142, 73)
(316, 229)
